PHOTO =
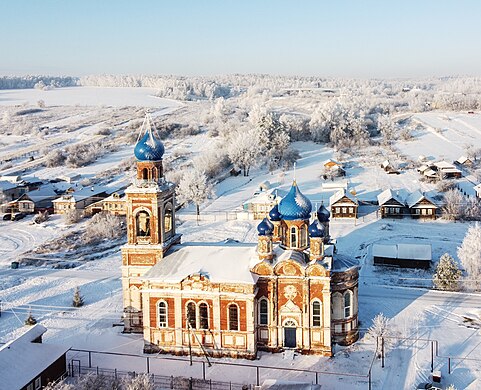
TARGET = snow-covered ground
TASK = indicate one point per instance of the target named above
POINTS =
(403, 296)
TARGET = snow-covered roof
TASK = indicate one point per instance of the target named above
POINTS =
(341, 263)
(416, 197)
(11, 178)
(334, 185)
(403, 251)
(331, 161)
(340, 194)
(84, 193)
(226, 261)
(268, 196)
(462, 159)
(386, 195)
(7, 185)
(443, 165)
(21, 360)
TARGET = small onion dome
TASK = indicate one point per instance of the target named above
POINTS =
(149, 148)
(295, 205)
(274, 214)
(264, 228)
(316, 229)
(323, 214)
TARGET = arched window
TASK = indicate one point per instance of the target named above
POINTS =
(203, 316)
(145, 174)
(316, 313)
(303, 236)
(168, 218)
(233, 311)
(293, 237)
(154, 173)
(143, 224)
(162, 314)
(191, 318)
(263, 311)
(337, 306)
(347, 304)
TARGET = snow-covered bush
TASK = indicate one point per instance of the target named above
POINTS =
(42, 216)
(73, 216)
(469, 254)
(139, 382)
(194, 188)
(55, 158)
(104, 225)
(445, 185)
(447, 274)
(244, 151)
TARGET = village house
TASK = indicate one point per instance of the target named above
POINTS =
(421, 206)
(388, 168)
(71, 177)
(78, 200)
(261, 203)
(28, 364)
(290, 291)
(343, 205)
(34, 201)
(392, 203)
(464, 161)
(446, 170)
(113, 204)
(333, 168)
(402, 255)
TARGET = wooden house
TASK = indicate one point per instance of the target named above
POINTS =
(464, 161)
(78, 200)
(28, 364)
(343, 205)
(402, 255)
(446, 170)
(388, 168)
(392, 203)
(113, 204)
(263, 202)
(421, 206)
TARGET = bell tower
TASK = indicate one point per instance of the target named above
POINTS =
(150, 222)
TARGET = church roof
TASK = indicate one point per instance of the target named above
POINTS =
(323, 214)
(274, 214)
(341, 263)
(265, 228)
(226, 261)
(149, 147)
(295, 205)
(316, 229)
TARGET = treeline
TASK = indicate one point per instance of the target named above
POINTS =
(28, 82)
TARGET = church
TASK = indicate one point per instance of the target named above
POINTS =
(291, 290)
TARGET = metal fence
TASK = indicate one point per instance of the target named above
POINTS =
(75, 369)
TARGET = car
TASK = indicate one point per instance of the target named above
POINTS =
(18, 216)
(7, 217)
(428, 386)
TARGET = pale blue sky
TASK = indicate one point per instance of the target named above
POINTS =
(357, 38)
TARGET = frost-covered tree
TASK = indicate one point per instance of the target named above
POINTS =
(78, 300)
(381, 327)
(454, 205)
(194, 188)
(244, 150)
(104, 226)
(447, 274)
(55, 158)
(42, 216)
(386, 128)
(469, 254)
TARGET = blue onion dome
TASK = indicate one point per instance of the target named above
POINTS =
(274, 214)
(264, 228)
(149, 148)
(295, 205)
(316, 229)
(323, 214)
